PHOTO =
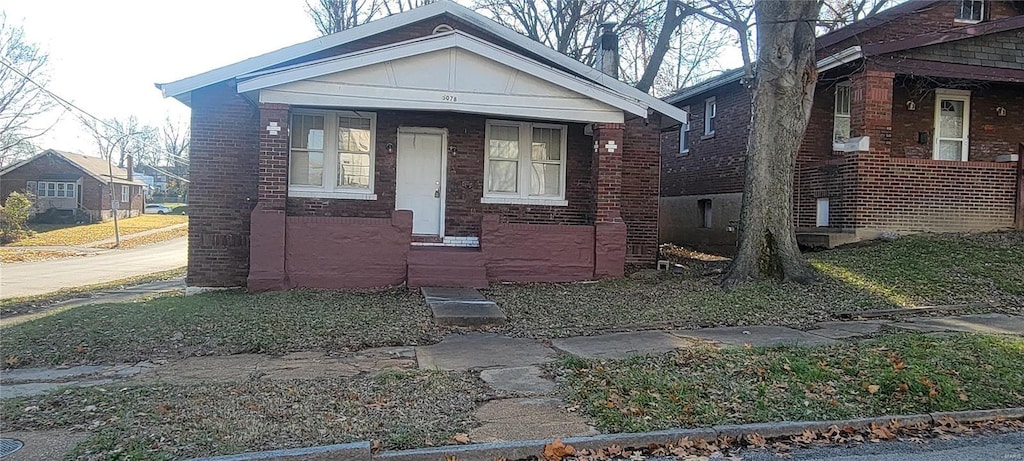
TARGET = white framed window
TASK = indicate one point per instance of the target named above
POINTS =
(684, 133)
(821, 212)
(331, 154)
(952, 125)
(841, 113)
(524, 163)
(710, 113)
(970, 11)
(48, 189)
(126, 195)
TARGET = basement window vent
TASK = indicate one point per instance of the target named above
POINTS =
(705, 213)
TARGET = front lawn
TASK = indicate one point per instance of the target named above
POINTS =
(894, 375)
(220, 323)
(70, 235)
(159, 422)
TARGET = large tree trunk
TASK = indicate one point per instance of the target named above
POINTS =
(786, 75)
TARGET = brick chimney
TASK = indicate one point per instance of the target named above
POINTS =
(130, 166)
(607, 59)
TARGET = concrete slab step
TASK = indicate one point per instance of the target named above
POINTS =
(462, 307)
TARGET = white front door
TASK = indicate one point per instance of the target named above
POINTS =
(420, 185)
(952, 120)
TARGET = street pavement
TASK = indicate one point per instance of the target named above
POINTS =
(980, 447)
(36, 278)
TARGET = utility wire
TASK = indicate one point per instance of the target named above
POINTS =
(70, 105)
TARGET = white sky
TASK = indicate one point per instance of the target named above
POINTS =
(105, 55)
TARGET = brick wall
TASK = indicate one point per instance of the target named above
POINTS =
(465, 178)
(715, 164)
(641, 174)
(224, 167)
(990, 134)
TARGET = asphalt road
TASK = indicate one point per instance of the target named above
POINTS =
(982, 447)
(36, 278)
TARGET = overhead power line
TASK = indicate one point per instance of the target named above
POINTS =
(68, 105)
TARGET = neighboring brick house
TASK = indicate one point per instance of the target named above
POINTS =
(74, 183)
(878, 155)
(431, 147)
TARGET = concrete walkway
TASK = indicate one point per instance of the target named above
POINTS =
(527, 404)
(125, 295)
(37, 278)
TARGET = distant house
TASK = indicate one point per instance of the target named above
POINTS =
(917, 125)
(432, 147)
(68, 182)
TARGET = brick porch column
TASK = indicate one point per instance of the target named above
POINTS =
(267, 234)
(609, 229)
(871, 108)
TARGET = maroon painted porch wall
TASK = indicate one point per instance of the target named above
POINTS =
(536, 252)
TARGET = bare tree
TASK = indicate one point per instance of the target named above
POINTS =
(23, 74)
(332, 16)
(836, 14)
(116, 139)
(737, 15)
(783, 92)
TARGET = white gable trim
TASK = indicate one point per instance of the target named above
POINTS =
(180, 89)
(454, 39)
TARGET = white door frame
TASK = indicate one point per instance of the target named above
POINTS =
(953, 95)
(444, 168)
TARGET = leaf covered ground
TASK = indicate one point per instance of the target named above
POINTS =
(71, 235)
(892, 375)
(160, 422)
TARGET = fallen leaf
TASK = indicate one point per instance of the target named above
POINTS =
(873, 388)
(461, 438)
(756, 440)
(556, 451)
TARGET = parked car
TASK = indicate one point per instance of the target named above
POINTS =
(157, 209)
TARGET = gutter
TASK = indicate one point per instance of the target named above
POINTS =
(848, 55)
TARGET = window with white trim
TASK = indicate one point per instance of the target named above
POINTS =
(525, 163)
(970, 11)
(331, 154)
(710, 113)
(48, 189)
(126, 195)
(841, 114)
(684, 133)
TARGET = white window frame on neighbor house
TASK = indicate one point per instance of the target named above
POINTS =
(55, 189)
(684, 133)
(329, 187)
(972, 8)
(524, 166)
(710, 114)
(955, 95)
(841, 113)
(126, 194)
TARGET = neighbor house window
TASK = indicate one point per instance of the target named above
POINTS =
(332, 154)
(705, 213)
(970, 10)
(126, 194)
(710, 112)
(841, 114)
(684, 133)
(525, 163)
(55, 189)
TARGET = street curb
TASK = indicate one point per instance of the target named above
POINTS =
(533, 448)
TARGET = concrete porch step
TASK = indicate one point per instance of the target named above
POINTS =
(462, 307)
(447, 267)
(824, 238)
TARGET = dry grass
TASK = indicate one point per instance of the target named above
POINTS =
(149, 239)
(17, 255)
(62, 235)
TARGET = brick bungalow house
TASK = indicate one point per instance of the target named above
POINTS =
(431, 147)
(916, 126)
(72, 182)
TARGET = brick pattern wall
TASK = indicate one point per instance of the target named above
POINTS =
(273, 160)
(927, 19)
(990, 134)
(224, 169)
(465, 178)
(641, 167)
(714, 164)
(1003, 49)
(871, 107)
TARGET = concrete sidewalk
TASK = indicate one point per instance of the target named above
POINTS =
(37, 278)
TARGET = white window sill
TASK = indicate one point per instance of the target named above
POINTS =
(966, 21)
(525, 201)
(332, 195)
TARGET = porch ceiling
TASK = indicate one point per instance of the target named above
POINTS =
(446, 72)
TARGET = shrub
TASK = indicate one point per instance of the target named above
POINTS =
(13, 215)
